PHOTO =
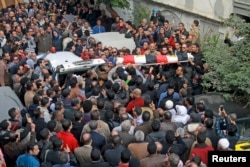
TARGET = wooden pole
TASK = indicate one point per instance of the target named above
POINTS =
(3, 4)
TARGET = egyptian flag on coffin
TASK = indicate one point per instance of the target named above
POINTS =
(149, 59)
(158, 59)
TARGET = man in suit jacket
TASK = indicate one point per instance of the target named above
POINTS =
(146, 125)
(83, 153)
(112, 156)
(124, 134)
(154, 159)
(96, 159)
(98, 141)
(138, 149)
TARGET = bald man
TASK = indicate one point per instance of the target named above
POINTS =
(83, 153)
(137, 100)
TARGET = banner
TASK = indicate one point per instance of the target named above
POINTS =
(151, 59)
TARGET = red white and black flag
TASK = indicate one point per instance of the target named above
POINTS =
(151, 59)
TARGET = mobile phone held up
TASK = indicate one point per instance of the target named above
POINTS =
(221, 107)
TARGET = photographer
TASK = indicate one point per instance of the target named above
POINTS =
(28, 42)
(226, 127)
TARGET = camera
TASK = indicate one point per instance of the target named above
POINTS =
(221, 107)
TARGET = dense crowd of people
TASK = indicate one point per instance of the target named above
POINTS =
(114, 115)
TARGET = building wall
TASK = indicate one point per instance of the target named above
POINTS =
(213, 9)
(208, 12)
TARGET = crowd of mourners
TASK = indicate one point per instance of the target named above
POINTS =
(114, 115)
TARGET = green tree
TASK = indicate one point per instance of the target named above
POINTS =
(140, 12)
(230, 66)
(123, 4)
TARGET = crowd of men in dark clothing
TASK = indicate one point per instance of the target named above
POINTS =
(115, 115)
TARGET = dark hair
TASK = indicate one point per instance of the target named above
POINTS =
(50, 91)
(29, 85)
(51, 125)
(147, 101)
(44, 101)
(209, 123)
(12, 112)
(231, 129)
(65, 93)
(110, 94)
(95, 154)
(209, 114)
(108, 84)
(125, 155)
(73, 82)
(109, 115)
(151, 148)
(170, 136)
(74, 102)
(93, 125)
(58, 105)
(171, 85)
(124, 117)
(116, 140)
(201, 137)
(196, 22)
(40, 92)
(155, 125)
(95, 115)
(174, 149)
(37, 113)
(167, 115)
(78, 115)
(36, 99)
(44, 134)
(57, 143)
(200, 106)
(66, 123)
(138, 110)
(31, 145)
(4, 124)
(46, 76)
(151, 85)
(134, 162)
(146, 116)
(116, 87)
(87, 106)
(39, 61)
(197, 160)
(96, 91)
(190, 100)
(100, 103)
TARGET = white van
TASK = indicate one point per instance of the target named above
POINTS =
(63, 63)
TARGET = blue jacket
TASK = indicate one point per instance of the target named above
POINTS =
(220, 125)
(27, 160)
(98, 29)
(164, 94)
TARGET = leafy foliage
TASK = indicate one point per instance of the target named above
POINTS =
(140, 12)
(230, 72)
(123, 4)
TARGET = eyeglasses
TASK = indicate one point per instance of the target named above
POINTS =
(183, 47)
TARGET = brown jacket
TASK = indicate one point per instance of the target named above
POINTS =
(145, 127)
(102, 128)
(165, 126)
(149, 110)
(138, 150)
(155, 160)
